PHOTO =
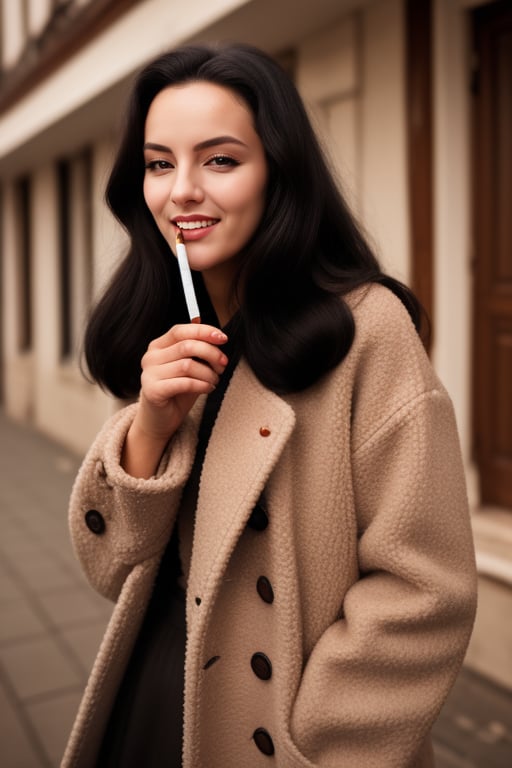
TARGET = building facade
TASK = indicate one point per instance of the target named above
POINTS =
(412, 101)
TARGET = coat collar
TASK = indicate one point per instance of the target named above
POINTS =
(252, 427)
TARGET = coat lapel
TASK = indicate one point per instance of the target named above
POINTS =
(251, 430)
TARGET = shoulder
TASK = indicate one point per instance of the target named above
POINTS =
(389, 369)
(384, 329)
(378, 313)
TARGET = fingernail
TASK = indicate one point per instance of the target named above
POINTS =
(219, 335)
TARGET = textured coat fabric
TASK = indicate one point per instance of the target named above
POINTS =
(368, 550)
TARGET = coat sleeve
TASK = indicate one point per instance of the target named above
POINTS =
(376, 679)
(117, 520)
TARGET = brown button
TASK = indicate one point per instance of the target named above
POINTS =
(261, 666)
(265, 590)
(263, 741)
(95, 522)
(264, 431)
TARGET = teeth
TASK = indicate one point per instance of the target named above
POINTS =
(195, 224)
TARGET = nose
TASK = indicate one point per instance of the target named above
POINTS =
(186, 187)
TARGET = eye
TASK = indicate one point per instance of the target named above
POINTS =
(222, 161)
(158, 165)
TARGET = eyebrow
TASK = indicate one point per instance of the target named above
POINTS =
(202, 144)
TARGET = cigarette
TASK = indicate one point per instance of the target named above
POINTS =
(186, 280)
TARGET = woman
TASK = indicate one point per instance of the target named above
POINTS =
(290, 474)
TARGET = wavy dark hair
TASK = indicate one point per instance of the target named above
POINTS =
(293, 324)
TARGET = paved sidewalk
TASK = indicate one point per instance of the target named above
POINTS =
(51, 623)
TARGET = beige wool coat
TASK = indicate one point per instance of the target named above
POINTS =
(367, 551)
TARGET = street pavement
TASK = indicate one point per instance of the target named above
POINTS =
(51, 623)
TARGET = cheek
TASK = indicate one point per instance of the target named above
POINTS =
(146, 190)
(153, 196)
(257, 206)
(250, 202)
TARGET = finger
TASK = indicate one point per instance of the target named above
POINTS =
(187, 349)
(161, 392)
(187, 368)
(198, 331)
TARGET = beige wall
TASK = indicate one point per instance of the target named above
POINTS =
(40, 388)
(352, 77)
(19, 379)
(452, 311)
(328, 76)
(12, 31)
(38, 14)
(384, 167)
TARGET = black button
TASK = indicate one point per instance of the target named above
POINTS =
(261, 666)
(259, 518)
(265, 590)
(95, 522)
(263, 741)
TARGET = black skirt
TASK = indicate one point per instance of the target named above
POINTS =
(146, 723)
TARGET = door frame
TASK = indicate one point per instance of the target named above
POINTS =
(482, 187)
(419, 59)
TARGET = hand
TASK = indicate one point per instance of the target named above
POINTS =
(177, 367)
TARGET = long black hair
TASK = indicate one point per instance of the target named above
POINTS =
(307, 253)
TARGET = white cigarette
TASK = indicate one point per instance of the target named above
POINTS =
(186, 280)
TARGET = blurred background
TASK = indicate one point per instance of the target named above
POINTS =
(413, 103)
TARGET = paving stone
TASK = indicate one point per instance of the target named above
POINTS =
(17, 747)
(17, 543)
(16, 554)
(476, 723)
(37, 667)
(42, 573)
(52, 719)
(73, 605)
(18, 621)
(446, 758)
(9, 588)
(85, 642)
(67, 558)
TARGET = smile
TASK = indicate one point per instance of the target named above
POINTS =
(196, 224)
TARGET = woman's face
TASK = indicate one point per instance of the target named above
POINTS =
(206, 173)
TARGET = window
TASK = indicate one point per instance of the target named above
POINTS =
(75, 249)
(24, 265)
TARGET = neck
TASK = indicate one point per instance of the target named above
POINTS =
(219, 284)
(221, 297)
